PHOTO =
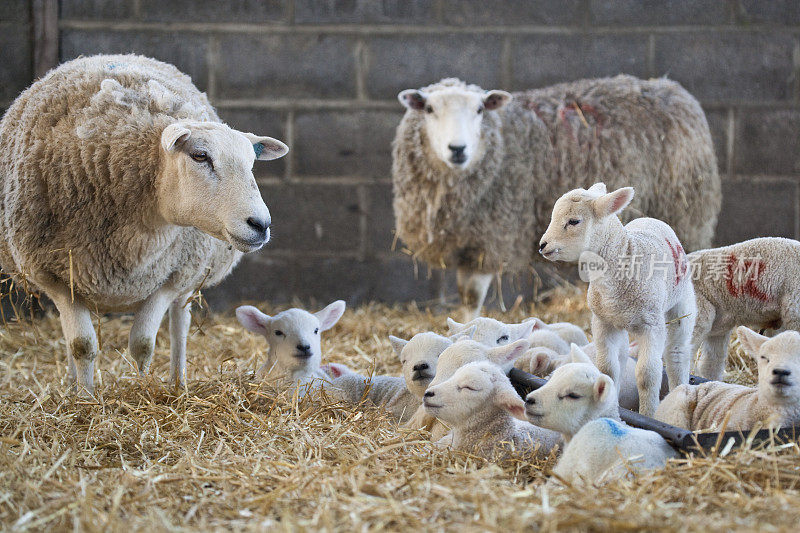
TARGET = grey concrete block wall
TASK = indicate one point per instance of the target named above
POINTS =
(323, 74)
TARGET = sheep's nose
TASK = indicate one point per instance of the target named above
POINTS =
(304, 347)
(542, 245)
(530, 400)
(458, 150)
(429, 394)
(261, 226)
(421, 366)
(781, 372)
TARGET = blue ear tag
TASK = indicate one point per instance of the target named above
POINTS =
(258, 148)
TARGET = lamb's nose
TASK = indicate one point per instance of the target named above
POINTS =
(260, 226)
(530, 400)
(421, 366)
(304, 347)
(457, 149)
(542, 245)
(429, 394)
(781, 372)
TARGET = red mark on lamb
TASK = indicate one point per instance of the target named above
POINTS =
(742, 276)
(679, 260)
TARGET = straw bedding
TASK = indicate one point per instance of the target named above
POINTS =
(228, 454)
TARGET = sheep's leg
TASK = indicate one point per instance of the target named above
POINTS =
(180, 317)
(612, 346)
(439, 285)
(706, 314)
(713, 356)
(649, 369)
(677, 356)
(472, 288)
(146, 321)
(76, 322)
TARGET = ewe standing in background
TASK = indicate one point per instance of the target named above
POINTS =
(123, 191)
(475, 171)
(646, 289)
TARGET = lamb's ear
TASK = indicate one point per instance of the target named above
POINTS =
(397, 344)
(329, 316)
(467, 334)
(253, 319)
(494, 100)
(577, 355)
(503, 355)
(507, 398)
(538, 323)
(336, 370)
(598, 188)
(539, 363)
(613, 202)
(267, 148)
(413, 99)
(453, 326)
(172, 135)
(751, 341)
(602, 388)
(525, 329)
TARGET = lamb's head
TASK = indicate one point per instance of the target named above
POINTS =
(473, 389)
(778, 361)
(453, 116)
(575, 394)
(491, 332)
(206, 181)
(467, 351)
(579, 219)
(293, 335)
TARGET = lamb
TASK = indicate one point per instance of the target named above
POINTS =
(486, 413)
(580, 402)
(571, 333)
(492, 332)
(295, 350)
(753, 283)
(123, 191)
(473, 169)
(774, 402)
(644, 290)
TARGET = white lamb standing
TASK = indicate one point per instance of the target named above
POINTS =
(580, 402)
(754, 283)
(123, 191)
(295, 350)
(486, 414)
(492, 332)
(645, 290)
(774, 402)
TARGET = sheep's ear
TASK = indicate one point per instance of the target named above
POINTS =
(413, 99)
(508, 353)
(494, 100)
(539, 363)
(507, 399)
(577, 355)
(602, 388)
(751, 341)
(335, 370)
(598, 188)
(267, 148)
(253, 319)
(329, 316)
(613, 202)
(467, 334)
(397, 344)
(453, 326)
(172, 135)
(525, 329)
(538, 323)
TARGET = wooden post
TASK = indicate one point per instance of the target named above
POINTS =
(44, 14)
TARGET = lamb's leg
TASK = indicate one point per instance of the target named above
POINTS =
(146, 321)
(649, 369)
(709, 361)
(713, 356)
(612, 346)
(76, 322)
(472, 288)
(677, 356)
(180, 317)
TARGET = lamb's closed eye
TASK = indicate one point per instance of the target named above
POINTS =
(469, 387)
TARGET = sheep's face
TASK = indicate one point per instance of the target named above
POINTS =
(464, 352)
(575, 394)
(578, 221)
(206, 181)
(473, 389)
(778, 360)
(453, 118)
(491, 332)
(419, 357)
(293, 335)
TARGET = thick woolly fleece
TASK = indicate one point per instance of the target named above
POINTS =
(754, 283)
(388, 392)
(78, 166)
(649, 134)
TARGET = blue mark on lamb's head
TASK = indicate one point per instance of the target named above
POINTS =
(258, 148)
(617, 429)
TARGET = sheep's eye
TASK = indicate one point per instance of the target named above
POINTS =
(428, 109)
(462, 387)
(199, 156)
(574, 222)
(764, 358)
(572, 396)
(504, 338)
(316, 331)
(279, 333)
(480, 110)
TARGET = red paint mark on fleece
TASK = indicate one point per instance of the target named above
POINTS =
(742, 276)
(679, 260)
